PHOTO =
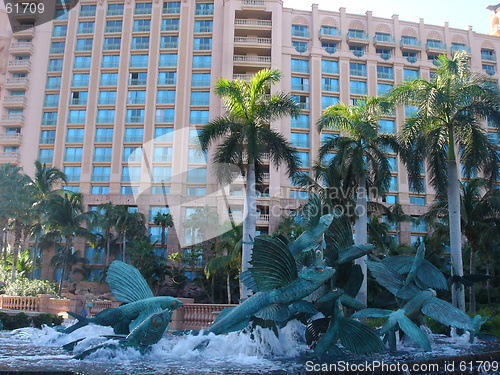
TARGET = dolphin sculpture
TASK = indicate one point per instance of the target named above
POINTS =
(277, 283)
(426, 302)
(128, 286)
(146, 333)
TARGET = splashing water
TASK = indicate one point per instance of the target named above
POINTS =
(258, 352)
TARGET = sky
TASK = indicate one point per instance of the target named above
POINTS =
(458, 13)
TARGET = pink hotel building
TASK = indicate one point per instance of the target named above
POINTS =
(113, 92)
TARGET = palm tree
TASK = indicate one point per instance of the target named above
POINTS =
(130, 226)
(360, 157)
(165, 220)
(106, 220)
(480, 219)
(66, 220)
(45, 180)
(447, 124)
(396, 216)
(247, 138)
(17, 197)
(229, 244)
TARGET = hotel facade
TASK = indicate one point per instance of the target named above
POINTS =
(114, 92)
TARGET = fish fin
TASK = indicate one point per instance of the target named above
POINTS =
(223, 313)
(126, 283)
(186, 332)
(91, 350)
(414, 332)
(399, 263)
(358, 337)
(71, 345)
(122, 327)
(315, 329)
(82, 322)
(351, 302)
(447, 314)
(248, 280)
(391, 280)
(372, 313)
(273, 265)
(274, 312)
(312, 212)
(353, 252)
(304, 307)
(143, 316)
(429, 275)
(353, 284)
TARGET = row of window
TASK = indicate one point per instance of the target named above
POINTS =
(138, 43)
(133, 115)
(141, 25)
(136, 79)
(117, 9)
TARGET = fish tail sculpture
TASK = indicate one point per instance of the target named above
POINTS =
(128, 286)
(322, 334)
(146, 333)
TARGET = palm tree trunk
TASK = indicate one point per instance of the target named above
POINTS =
(361, 236)
(228, 287)
(108, 245)
(249, 225)
(163, 250)
(64, 264)
(18, 234)
(457, 291)
(124, 246)
(35, 253)
(472, 270)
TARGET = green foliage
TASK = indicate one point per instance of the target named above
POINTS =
(11, 322)
(141, 255)
(22, 320)
(30, 288)
(50, 320)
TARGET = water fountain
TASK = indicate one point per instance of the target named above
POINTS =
(296, 321)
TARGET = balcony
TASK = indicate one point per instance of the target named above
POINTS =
(17, 83)
(262, 219)
(330, 33)
(384, 41)
(10, 139)
(10, 157)
(411, 45)
(255, 41)
(358, 37)
(78, 101)
(434, 46)
(19, 66)
(243, 77)
(21, 49)
(260, 61)
(458, 48)
(247, 23)
(24, 32)
(137, 81)
(12, 120)
(488, 57)
(14, 102)
(253, 4)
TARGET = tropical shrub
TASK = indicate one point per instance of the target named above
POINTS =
(30, 288)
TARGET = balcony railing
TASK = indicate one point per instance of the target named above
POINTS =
(255, 3)
(252, 59)
(14, 138)
(252, 40)
(436, 45)
(10, 157)
(252, 22)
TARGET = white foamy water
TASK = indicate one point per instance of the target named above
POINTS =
(259, 352)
